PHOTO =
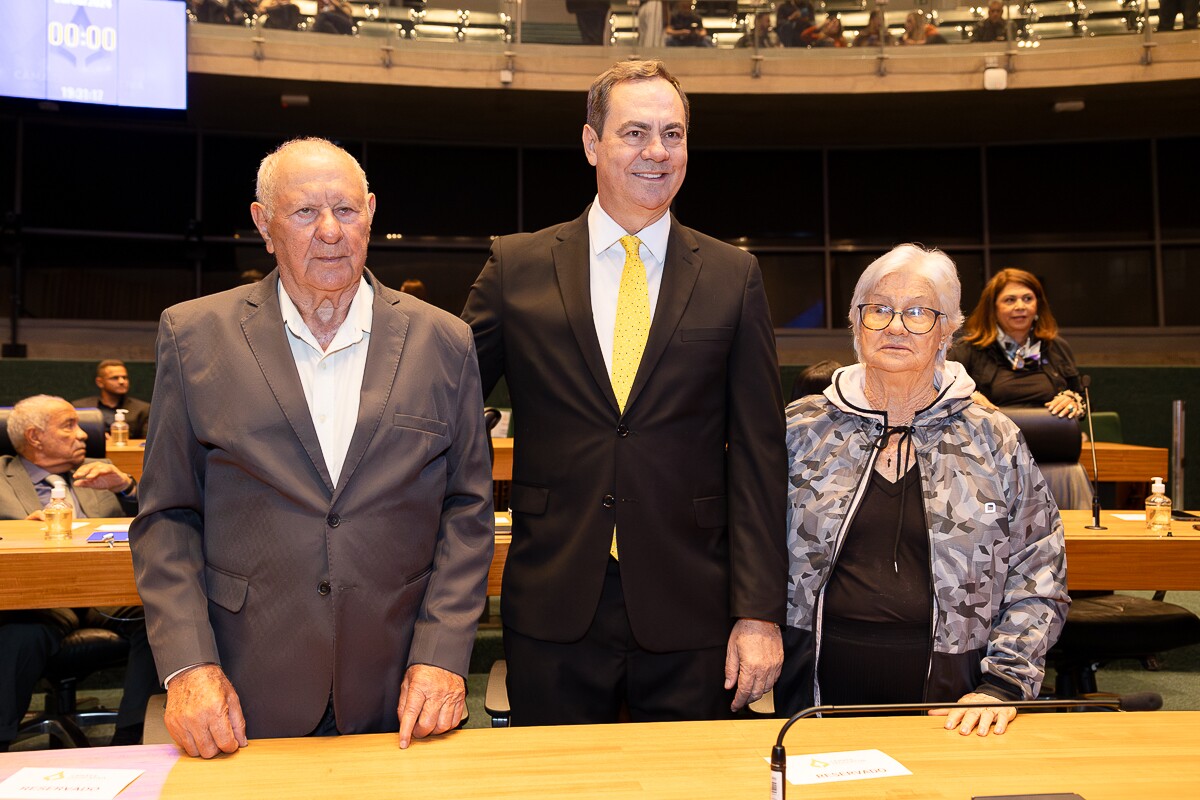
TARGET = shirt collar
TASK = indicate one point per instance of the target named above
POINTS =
(604, 232)
(36, 473)
(358, 319)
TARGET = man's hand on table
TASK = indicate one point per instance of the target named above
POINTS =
(204, 715)
(753, 659)
(432, 700)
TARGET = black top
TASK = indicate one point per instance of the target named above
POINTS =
(1034, 385)
(882, 572)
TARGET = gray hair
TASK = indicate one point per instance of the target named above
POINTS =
(32, 412)
(621, 72)
(266, 185)
(934, 266)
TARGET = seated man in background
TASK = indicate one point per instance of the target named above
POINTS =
(113, 381)
(762, 35)
(994, 27)
(50, 448)
(685, 28)
(334, 16)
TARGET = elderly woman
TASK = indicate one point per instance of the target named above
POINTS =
(1011, 348)
(927, 556)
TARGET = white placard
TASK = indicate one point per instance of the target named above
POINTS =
(1132, 517)
(102, 784)
(851, 765)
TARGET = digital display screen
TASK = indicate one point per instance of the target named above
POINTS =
(108, 52)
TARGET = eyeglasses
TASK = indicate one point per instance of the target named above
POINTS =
(918, 319)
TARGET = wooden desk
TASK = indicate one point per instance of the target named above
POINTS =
(129, 458)
(503, 460)
(1101, 756)
(1127, 556)
(1125, 463)
(1117, 462)
(36, 574)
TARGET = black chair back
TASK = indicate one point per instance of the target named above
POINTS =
(1051, 439)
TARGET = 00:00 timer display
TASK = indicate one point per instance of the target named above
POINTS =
(93, 37)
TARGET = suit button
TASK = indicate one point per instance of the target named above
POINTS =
(334, 520)
(622, 430)
(609, 501)
(323, 588)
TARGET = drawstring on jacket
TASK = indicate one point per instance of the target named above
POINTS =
(904, 454)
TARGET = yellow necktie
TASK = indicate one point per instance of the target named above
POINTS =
(631, 330)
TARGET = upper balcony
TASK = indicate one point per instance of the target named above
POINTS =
(1059, 55)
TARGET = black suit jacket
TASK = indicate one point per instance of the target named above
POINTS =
(138, 417)
(700, 526)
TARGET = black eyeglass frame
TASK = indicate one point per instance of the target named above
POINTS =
(862, 317)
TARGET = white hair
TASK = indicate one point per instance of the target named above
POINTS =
(265, 187)
(32, 412)
(934, 266)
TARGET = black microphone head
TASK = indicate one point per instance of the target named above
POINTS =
(1085, 381)
(1141, 701)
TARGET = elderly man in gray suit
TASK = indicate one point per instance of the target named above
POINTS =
(51, 449)
(316, 517)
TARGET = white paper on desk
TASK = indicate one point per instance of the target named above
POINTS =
(104, 784)
(117, 528)
(851, 765)
(1131, 517)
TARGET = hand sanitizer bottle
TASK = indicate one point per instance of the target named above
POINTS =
(59, 514)
(119, 430)
(1158, 509)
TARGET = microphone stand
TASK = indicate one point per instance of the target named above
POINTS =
(779, 754)
(1086, 381)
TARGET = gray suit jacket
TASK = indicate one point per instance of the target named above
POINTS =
(248, 556)
(18, 498)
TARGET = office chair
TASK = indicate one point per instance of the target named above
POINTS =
(1103, 627)
(1106, 424)
(84, 651)
(1051, 439)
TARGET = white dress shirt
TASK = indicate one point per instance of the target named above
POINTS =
(607, 261)
(332, 378)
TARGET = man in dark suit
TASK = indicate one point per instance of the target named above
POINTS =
(112, 379)
(647, 567)
(316, 523)
(50, 446)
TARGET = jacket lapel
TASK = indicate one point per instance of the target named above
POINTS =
(22, 486)
(681, 268)
(389, 328)
(572, 263)
(263, 327)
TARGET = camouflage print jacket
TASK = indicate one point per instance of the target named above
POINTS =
(996, 539)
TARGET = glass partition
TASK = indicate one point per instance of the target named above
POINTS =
(486, 21)
(722, 24)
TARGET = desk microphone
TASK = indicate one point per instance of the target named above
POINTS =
(1085, 381)
(1140, 701)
